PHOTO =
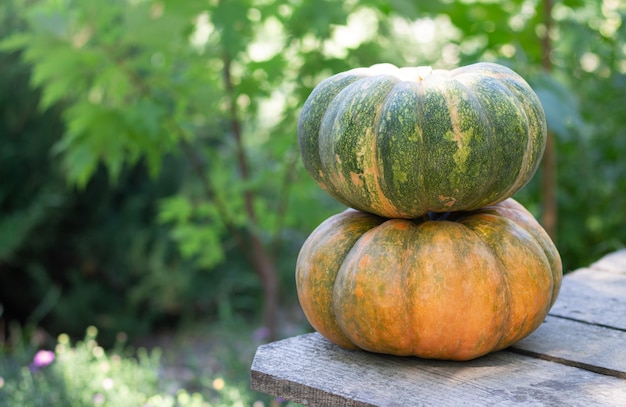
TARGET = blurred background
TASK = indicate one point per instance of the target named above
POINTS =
(150, 178)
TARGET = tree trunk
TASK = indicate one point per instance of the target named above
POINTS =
(549, 180)
(262, 262)
(266, 270)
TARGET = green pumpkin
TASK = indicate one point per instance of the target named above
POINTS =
(402, 142)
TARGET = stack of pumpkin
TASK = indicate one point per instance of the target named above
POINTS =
(434, 258)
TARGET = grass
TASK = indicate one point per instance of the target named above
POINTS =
(197, 366)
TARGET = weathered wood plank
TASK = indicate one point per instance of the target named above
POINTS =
(594, 296)
(594, 348)
(310, 370)
(575, 358)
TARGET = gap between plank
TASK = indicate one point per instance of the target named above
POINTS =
(588, 323)
(580, 365)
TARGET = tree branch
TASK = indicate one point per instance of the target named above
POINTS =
(209, 190)
(262, 263)
(144, 90)
(283, 201)
(235, 125)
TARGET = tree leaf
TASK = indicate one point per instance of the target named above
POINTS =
(16, 226)
(176, 209)
(560, 105)
(15, 42)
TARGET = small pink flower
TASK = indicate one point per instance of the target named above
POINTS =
(261, 334)
(42, 358)
(98, 398)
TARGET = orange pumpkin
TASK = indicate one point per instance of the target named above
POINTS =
(445, 286)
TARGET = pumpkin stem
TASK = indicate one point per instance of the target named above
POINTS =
(423, 72)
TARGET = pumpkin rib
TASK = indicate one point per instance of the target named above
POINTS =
(480, 187)
(397, 181)
(410, 307)
(505, 288)
(462, 317)
(308, 130)
(535, 119)
(341, 154)
(522, 259)
(487, 183)
(317, 267)
(517, 87)
(353, 290)
(385, 205)
(437, 147)
(507, 166)
(517, 213)
(425, 186)
(524, 166)
(522, 217)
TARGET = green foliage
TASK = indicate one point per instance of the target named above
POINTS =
(129, 96)
(100, 80)
(94, 255)
(31, 189)
(204, 97)
(84, 374)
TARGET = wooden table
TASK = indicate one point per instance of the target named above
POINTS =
(577, 357)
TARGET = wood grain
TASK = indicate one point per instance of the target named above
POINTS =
(310, 370)
(594, 296)
(594, 348)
